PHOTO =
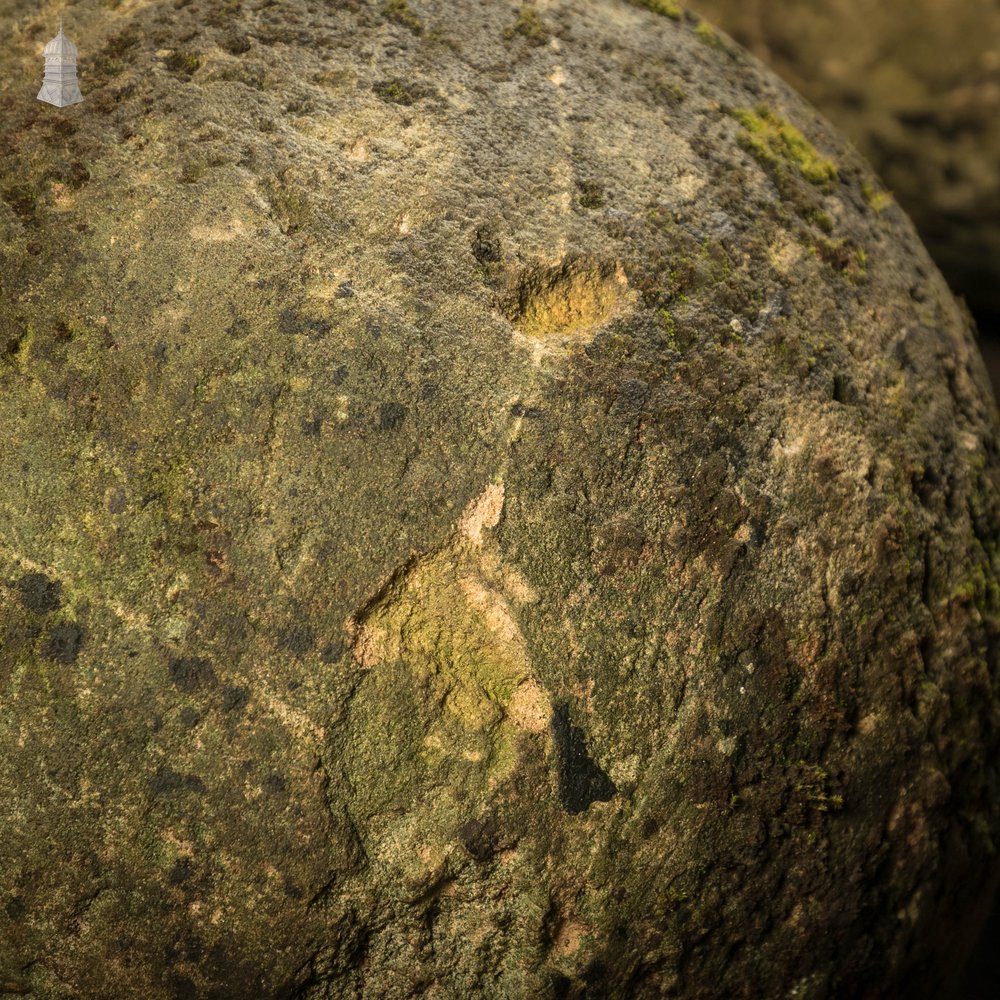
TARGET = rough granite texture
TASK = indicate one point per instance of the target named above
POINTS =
(916, 84)
(496, 503)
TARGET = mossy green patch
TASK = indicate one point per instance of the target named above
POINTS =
(708, 35)
(528, 26)
(844, 256)
(591, 194)
(773, 140)
(395, 92)
(667, 8)
(401, 12)
(182, 63)
(877, 199)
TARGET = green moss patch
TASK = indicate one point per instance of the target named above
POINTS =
(401, 12)
(774, 141)
(397, 92)
(665, 7)
(708, 35)
(182, 63)
(529, 26)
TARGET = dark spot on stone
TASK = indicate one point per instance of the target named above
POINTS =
(581, 781)
(62, 333)
(189, 673)
(345, 290)
(479, 838)
(596, 972)
(21, 199)
(233, 627)
(313, 426)
(275, 784)
(709, 779)
(391, 416)
(77, 175)
(234, 699)
(316, 327)
(15, 908)
(332, 652)
(183, 988)
(292, 890)
(182, 870)
(397, 92)
(189, 717)
(192, 947)
(844, 390)
(591, 194)
(649, 827)
(561, 987)
(63, 643)
(486, 245)
(631, 397)
(339, 375)
(288, 321)
(238, 328)
(116, 500)
(236, 44)
(373, 328)
(167, 780)
(297, 638)
(520, 410)
(428, 389)
(38, 593)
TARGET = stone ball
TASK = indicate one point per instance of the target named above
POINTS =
(497, 502)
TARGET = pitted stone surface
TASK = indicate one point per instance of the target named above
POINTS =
(491, 509)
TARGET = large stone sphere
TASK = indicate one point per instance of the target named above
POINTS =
(496, 503)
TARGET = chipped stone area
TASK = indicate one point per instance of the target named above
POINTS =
(565, 303)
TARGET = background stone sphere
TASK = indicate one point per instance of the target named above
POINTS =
(498, 502)
(916, 85)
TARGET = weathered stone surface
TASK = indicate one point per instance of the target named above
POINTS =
(495, 504)
(916, 85)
